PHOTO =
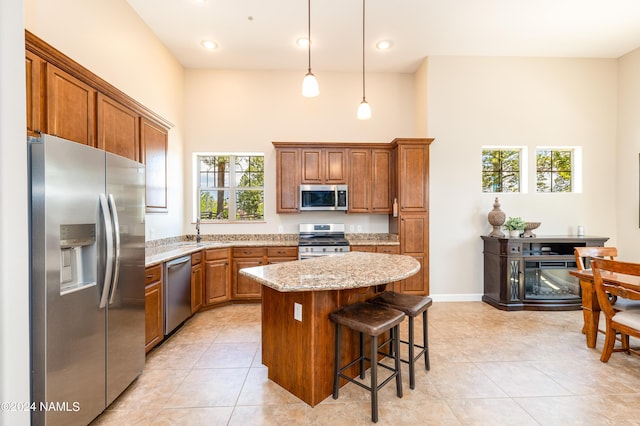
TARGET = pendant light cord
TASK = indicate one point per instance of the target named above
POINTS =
(363, 93)
(309, 31)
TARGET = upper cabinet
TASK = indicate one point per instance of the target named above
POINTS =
(413, 176)
(364, 167)
(67, 100)
(34, 73)
(324, 166)
(71, 107)
(154, 145)
(118, 128)
(369, 180)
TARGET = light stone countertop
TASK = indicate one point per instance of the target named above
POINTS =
(351, 270)
(173, 250)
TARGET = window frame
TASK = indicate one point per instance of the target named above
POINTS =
(576, 168)
(232, 187)
(522, 172)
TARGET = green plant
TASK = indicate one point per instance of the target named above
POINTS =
(515, 224)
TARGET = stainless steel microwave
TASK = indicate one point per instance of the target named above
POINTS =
(323, 197)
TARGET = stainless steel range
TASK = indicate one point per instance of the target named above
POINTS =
(326, 239)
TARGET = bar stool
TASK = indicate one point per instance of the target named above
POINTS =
(412, 306)
(373, 320)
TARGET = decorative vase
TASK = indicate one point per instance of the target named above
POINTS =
(496, 219)
(530, 227)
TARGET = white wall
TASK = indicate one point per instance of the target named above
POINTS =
(110, 39)
(14, 258)
(524, 102)
(247, 110)
(628, 153)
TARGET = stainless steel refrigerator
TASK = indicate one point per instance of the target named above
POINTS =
(87, 279)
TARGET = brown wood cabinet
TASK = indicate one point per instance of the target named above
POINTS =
(153, 307)
(34, 74)
(411, 169)
(323, 165)
(217, 276)
(287, 179)
(197, 280)
(246, 257)
(369, 180)
(281, 254)
(71, 107)
(154, 140)
(67, 100)
(118, 128)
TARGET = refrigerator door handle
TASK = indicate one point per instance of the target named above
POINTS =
(116, 235)
(108, 269)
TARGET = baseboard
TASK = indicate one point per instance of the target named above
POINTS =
(456, 297)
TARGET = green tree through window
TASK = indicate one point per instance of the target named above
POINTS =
(230, 187)
(554, 170)
(501, 170)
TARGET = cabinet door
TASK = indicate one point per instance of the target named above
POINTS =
(153, 315)
(154, 140)
(196, 287)
(359, 180)
(312, 166)
(153, 307)
(243, 287)
(216, 281)
(417, 284)
(35, 103)
(380, 181)
(413, 177)
(413, 234)
(287, 180)
(118, 128)
(71, 107)
(335, 160)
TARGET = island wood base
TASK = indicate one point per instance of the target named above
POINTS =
(299, 354)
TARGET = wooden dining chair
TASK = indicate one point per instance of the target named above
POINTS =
(627, 322)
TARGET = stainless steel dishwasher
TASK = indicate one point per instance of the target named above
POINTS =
(177, 292)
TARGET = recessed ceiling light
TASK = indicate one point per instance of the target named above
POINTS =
(384, 44)
(302, 42)
(209, 44)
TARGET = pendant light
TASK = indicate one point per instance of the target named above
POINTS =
(310, 87)
(364, 110)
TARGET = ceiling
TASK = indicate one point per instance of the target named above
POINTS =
(262, 34)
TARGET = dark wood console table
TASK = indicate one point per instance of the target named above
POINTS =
(533, 273)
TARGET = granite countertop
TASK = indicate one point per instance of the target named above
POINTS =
(159, 251)
(351, 270)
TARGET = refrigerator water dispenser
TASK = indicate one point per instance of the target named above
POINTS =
(77, 249)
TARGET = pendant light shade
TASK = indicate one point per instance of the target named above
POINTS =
(364, 110)
(310, 87)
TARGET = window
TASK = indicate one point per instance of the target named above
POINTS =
(554, 170)
(230, 187)
(501, 169)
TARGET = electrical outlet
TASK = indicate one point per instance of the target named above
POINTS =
(359, 228)
(297, 312)
(280, 229)
(351, 228)
(152, 233)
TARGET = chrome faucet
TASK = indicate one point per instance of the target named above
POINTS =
(198, 237)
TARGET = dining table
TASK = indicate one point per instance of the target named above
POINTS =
(590, 306)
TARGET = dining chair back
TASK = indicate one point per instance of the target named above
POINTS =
(620, 279)
(586, 253)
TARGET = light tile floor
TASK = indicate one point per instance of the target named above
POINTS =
(488, 367)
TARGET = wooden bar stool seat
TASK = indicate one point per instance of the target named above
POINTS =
(372, 320)
(412, 306)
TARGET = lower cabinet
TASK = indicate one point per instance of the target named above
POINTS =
(217, 287)
(154, 332)
(246, 257)
(197, 276)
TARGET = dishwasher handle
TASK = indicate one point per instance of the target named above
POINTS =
(178, 262)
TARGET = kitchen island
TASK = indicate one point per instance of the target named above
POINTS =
(297, 297)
